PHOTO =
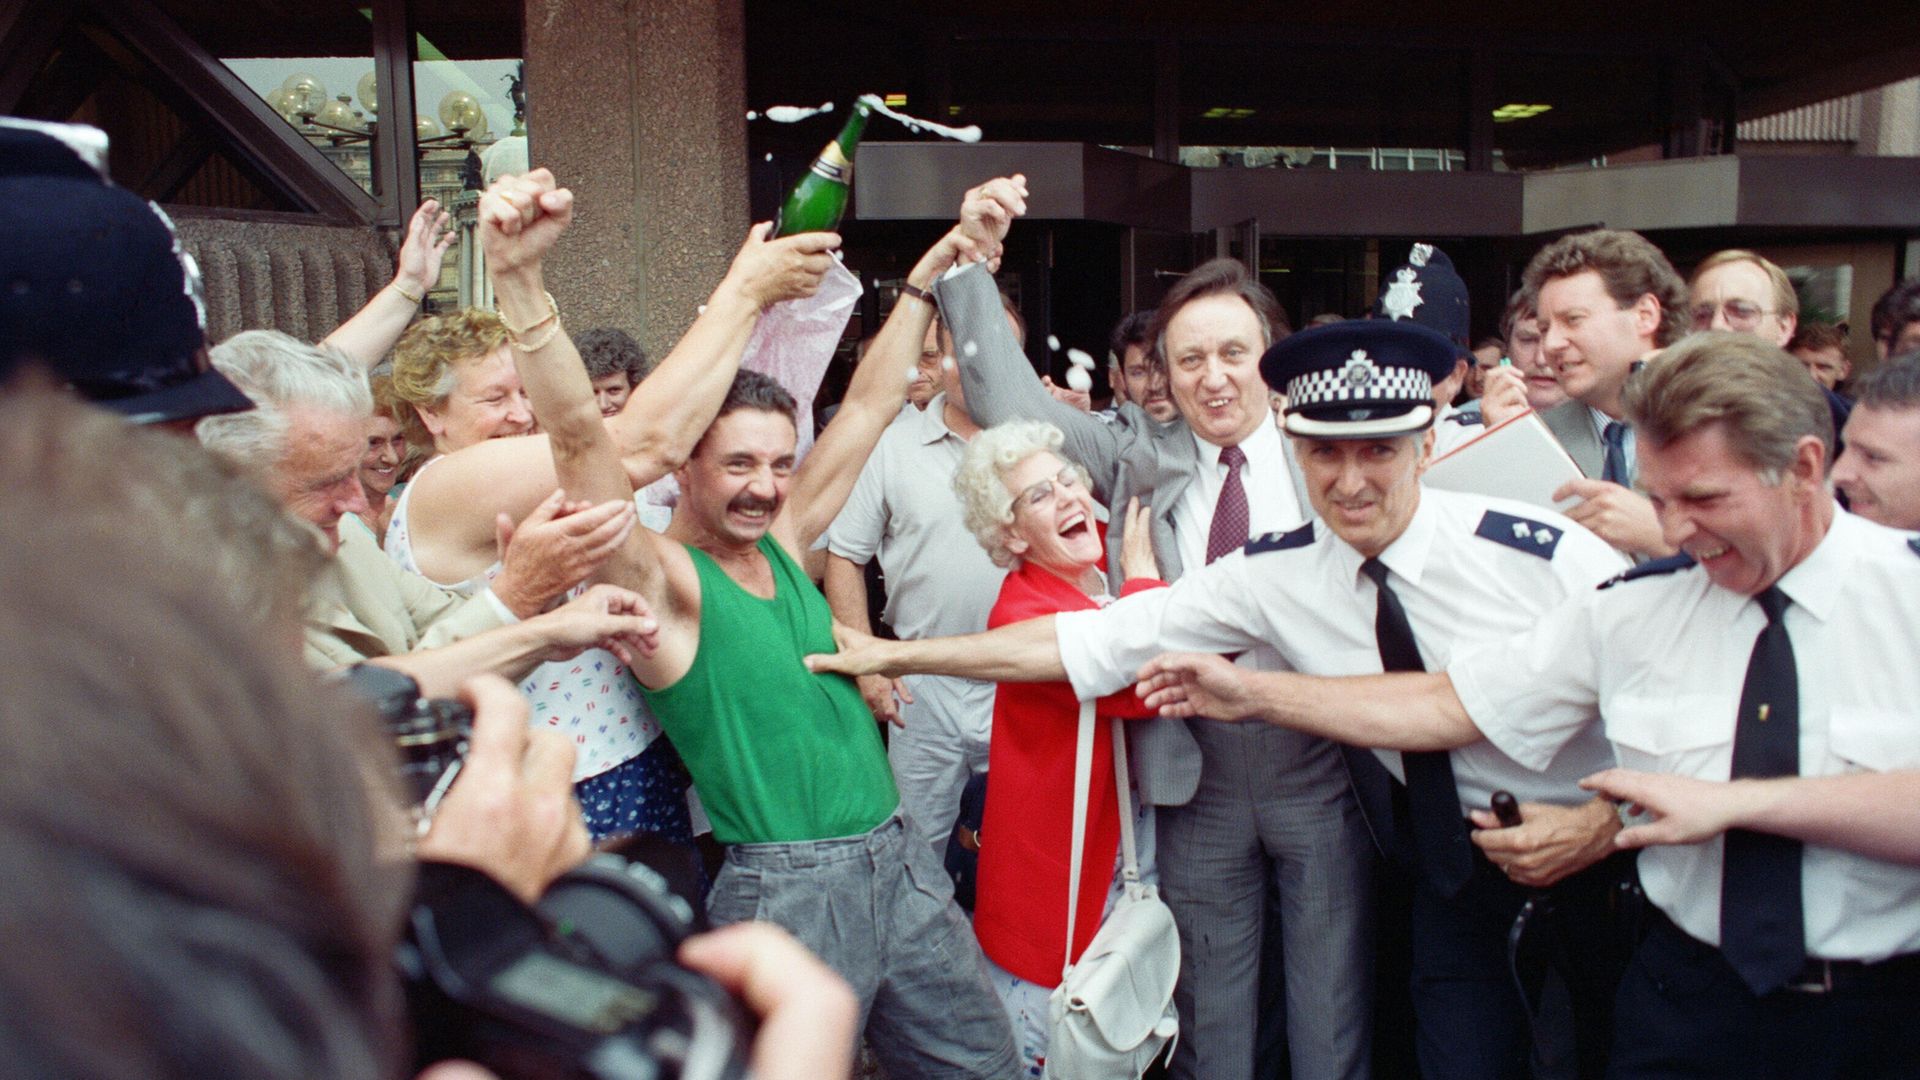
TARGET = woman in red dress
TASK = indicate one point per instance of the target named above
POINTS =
(1033, 510)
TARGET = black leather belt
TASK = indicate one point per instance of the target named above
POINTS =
(1896, 974)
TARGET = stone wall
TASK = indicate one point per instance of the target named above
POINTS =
(301, 279)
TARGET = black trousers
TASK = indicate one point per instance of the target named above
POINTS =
(1683, 1012)
(1471, 1021)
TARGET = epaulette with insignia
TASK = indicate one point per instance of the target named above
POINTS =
(1520, 534)
(1655, 568)
(1281, 541)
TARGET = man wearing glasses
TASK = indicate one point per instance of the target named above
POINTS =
(1744, 292)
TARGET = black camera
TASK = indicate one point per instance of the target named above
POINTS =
(583, 984)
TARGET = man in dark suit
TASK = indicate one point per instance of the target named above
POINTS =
(1234, 814)
(1608, 298)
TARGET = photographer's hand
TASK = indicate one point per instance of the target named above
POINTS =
(510, 813)
(807, 1013)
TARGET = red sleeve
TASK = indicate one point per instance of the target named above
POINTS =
(1140, 584)
(1018, 605)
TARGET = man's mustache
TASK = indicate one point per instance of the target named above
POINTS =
(749, 504)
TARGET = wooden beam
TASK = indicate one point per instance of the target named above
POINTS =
(29, 31)
(65, 82)
(396, 160)
(250, 124)
(172, 172)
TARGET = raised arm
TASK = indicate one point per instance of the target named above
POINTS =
(372, 331)
(521, 217)
(455, 501)
(879, 382)
(1000, 385)
(666, 415)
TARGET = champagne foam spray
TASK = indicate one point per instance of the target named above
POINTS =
(970, 133)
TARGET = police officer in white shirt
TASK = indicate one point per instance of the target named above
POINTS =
(1782, 642)
(1458, 569)
(1448, 572)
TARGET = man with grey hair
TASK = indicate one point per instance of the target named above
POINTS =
(303, 441)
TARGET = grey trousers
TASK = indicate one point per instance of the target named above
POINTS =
(879, 910)
(1272, 805)
(934, 754)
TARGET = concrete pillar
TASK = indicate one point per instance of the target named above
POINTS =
(640, 107)
(1890, 120)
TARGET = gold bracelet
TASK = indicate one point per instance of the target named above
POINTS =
(553, 312)
(397, 287)
(546, 339)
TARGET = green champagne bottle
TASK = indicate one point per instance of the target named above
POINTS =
(817, 201)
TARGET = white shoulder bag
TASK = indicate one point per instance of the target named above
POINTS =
(1113, 1011)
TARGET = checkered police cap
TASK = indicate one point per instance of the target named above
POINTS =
(1359, 379)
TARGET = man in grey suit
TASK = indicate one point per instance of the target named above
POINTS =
(1608, 298)
(1234, 813)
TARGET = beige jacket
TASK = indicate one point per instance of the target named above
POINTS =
(365, 605)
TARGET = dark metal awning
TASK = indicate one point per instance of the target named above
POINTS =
(898, 181)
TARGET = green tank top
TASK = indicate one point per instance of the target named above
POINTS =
(777, 752)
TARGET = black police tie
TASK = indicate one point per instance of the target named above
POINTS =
(1762, 932)
(1433, 803)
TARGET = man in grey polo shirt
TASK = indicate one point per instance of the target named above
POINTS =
(939, 582)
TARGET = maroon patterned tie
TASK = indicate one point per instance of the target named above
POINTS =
(1230, 517)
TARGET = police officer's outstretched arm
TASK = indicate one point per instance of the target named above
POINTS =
(1401, 711)
(1872, 814)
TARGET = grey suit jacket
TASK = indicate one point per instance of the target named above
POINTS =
(1129, 457)
(1572, 423)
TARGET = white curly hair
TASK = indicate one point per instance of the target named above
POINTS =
(980, 481)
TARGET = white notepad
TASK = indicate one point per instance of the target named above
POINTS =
(1519, 459)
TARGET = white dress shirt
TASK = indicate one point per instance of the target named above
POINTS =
(1312, 606)
(1662, 661)
(1271, 503)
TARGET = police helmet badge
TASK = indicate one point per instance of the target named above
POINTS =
(1402, 295)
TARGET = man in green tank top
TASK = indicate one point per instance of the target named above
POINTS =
(789, 764)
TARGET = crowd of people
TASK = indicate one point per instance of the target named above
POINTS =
(1390, 752)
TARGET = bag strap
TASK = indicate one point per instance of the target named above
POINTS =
(1082, 779)
(1123, 794)
(1082, 776)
